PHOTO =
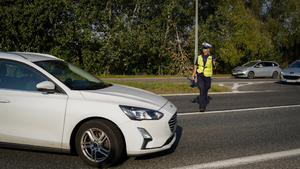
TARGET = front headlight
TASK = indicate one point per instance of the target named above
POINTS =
(137, 113)
(282, 73)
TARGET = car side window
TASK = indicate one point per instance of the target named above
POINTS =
(268, 64)
(260, 65)
(17, 76)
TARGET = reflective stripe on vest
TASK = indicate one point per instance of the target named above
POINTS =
(208, 70)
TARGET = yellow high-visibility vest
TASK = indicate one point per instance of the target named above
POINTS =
(207, 69)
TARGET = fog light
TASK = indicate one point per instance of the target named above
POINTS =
(147, 137)
(145, 134)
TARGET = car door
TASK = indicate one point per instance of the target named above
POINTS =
(269, 68)
(28, 116)
(259, 69)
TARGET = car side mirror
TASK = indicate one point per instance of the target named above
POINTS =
(46, 86)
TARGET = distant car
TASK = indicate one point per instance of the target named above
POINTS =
(254, 69)
(291, 74)
(49, 104)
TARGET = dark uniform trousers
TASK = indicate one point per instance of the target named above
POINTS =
(203, 85)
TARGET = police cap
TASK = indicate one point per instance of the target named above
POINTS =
(206, 45)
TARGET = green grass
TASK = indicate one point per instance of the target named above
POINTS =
(168, 87)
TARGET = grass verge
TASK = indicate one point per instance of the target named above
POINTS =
(168, 87)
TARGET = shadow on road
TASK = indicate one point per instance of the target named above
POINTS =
(196, 100)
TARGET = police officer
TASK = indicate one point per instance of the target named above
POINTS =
(204, 69)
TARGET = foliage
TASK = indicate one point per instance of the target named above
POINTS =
(241, 38)
(151, 36)
(281, 20)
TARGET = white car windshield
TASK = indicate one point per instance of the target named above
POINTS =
(72, 76)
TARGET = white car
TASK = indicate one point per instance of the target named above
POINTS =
(49, 104)
(291, 74)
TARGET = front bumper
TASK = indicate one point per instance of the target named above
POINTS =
(239, 74)
(149, 136)
(290, 78)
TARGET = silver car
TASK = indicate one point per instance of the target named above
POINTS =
(291, 74)
(254, 69)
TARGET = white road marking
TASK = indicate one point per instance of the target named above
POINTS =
(233, 89)
(232, 92)
(238, 110)
(235, 86)
(244, 160)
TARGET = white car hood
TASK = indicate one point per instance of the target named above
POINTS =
(125, 95)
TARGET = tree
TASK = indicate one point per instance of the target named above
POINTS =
(151, 36)
(142, 39)
(282, 22)
(26, 26)
(235, 35)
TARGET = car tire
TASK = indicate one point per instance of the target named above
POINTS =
(99, 143)
(251, 75)
(275, 75)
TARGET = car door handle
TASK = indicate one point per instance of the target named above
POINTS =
(2, 100)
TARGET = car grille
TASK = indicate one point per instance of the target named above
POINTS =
(173, 122)
(291, 77)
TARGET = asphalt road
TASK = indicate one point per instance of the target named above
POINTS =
(255, 126)
(184, 79)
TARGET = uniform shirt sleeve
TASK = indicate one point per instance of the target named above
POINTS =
(213, 58)
(196, 63)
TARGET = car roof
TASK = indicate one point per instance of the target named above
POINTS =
(261, 61)
(33, 57)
